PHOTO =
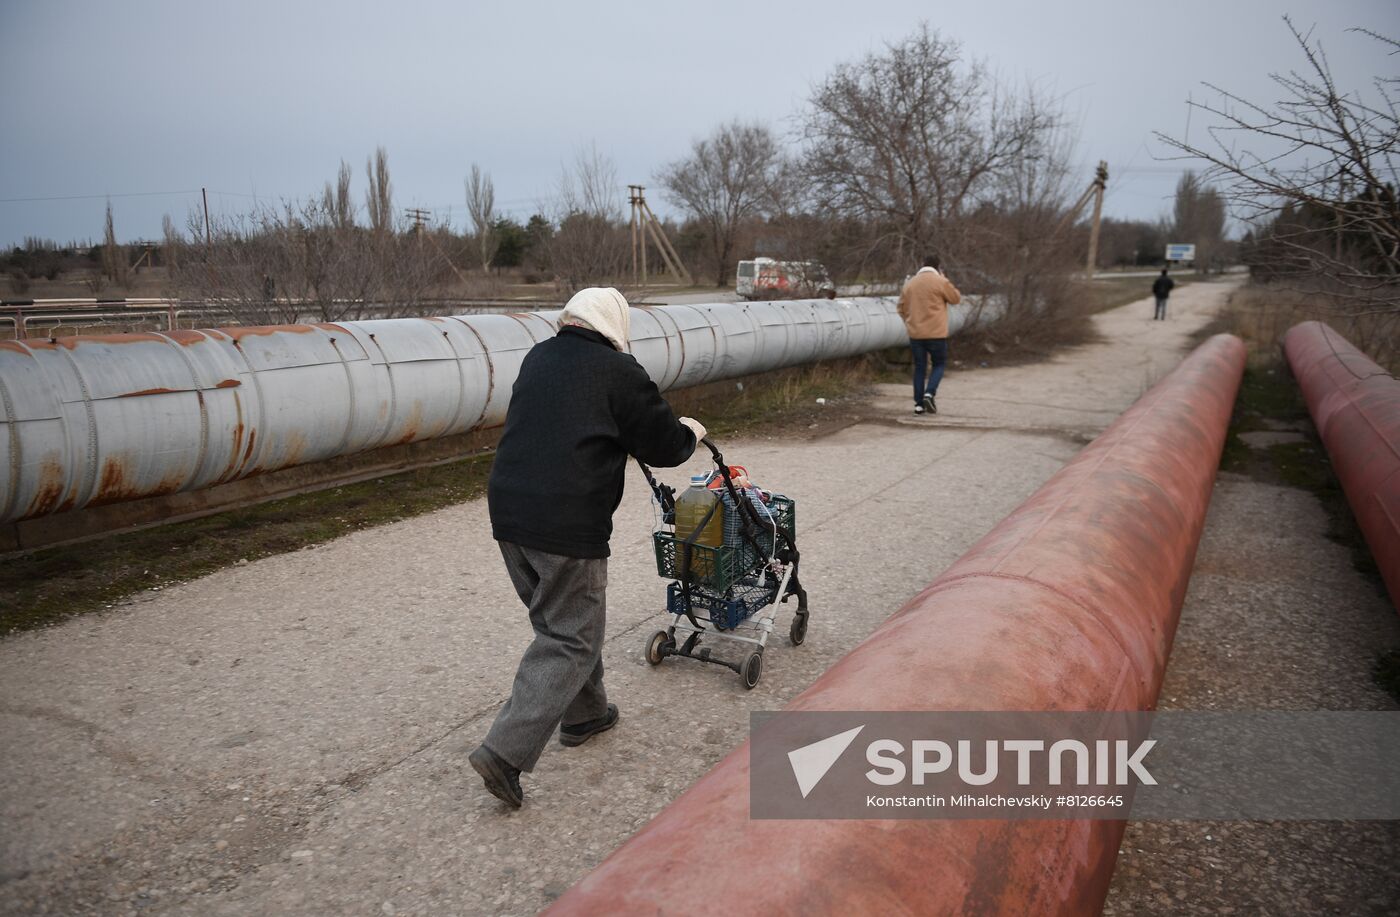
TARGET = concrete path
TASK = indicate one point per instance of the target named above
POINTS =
(289, 736)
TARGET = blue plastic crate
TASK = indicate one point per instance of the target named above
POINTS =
(727, 611)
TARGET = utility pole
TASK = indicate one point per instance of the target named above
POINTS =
(1100, 182)
(207, 239)
(644, 224)
(419, 216)
(632, 203)
(1095, 191)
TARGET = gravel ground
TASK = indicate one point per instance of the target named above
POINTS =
(1276, 618)
(288, 736)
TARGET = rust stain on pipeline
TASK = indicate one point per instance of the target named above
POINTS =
(149, 391)
(115, 484)
(185, 338)
(111, 484)
(72, 342)
(232, 467)
(49, 489)
(412, 424)
(296, 448)
(239, 332)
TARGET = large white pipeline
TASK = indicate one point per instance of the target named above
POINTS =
(105, 418)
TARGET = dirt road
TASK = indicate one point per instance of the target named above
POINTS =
(289, 736)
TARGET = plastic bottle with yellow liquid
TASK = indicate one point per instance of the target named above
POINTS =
(693, 505)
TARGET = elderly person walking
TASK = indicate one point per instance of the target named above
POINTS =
(581, 405)
(923, 304)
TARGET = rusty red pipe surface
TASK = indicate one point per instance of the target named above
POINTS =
(1355, 405)
(1070, 603)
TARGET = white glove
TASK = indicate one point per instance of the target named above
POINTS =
(696, 427)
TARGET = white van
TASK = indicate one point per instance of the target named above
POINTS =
(765, 278)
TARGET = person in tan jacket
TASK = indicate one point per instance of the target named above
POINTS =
(923, 304)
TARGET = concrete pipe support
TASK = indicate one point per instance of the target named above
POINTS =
(1355, 406)
(1070, 603)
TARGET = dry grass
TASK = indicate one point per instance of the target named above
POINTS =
(1261, 315)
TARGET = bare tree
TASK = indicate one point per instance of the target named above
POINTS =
(379, 198)
(113, 255)
(1198, 214)
(728, 178)
(1313, 177)
(589, 244)
(481, 207)
(335, 200)
(308, 260)
(172, 242)
(1015, 258)
(912, 138)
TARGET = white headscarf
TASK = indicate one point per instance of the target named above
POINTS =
(604, 310)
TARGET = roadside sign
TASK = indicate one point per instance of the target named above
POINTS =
(1180, 251)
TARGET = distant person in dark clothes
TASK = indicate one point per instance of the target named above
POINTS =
(581, 405)
(923, 304)
(1162, 288)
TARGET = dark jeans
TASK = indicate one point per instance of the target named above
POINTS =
(1161, 309)
(926, 349)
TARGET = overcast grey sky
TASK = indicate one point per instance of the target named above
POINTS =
(264, 99)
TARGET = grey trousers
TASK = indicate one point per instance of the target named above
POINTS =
(560, 678)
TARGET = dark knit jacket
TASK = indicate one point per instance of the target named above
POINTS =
(578, 410)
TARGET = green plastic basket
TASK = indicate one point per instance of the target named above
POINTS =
(718, 568)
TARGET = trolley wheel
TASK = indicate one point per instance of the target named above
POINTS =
(797, 631)
(656, 647)
(752, 670)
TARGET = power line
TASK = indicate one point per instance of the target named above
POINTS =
(96, 197)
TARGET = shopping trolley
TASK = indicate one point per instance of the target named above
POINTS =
(728, 593)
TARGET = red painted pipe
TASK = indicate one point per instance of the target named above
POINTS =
(1355, 406)
(1070, 603)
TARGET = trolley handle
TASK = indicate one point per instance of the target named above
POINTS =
(665, 494)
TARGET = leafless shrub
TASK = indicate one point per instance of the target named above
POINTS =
(95, 281)
(20, 281)
(309, 261)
